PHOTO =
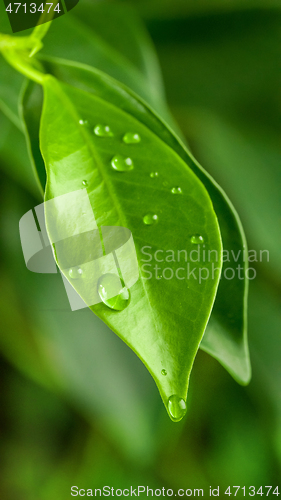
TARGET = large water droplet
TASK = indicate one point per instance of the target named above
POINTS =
(196, 239)
(75, 273)
(150, 219)
(176, 190)
(154, 174)
(113, 292)
(131, 138)
(176, 408)
(122, 164)
(103, 131)
(85, 183)
(83, 122)
(164, 372)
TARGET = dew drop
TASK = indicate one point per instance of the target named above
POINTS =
(75, 273)
(113, 292)
(150, 219)
(83, 122)
(85, 183)
(196, 239)
(131, 138)
(154, 174)
(176, 408)
(122, 164)
(103, 131)
(163, 372)
(176, 190)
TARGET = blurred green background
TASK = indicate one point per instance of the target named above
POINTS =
(77, 407)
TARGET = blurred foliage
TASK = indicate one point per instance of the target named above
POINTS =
(64, 425)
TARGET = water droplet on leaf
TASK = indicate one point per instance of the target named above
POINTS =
(103, 131)
(176, 190)
(150, 219)
(113, 292)
(154, 174)
(85, 183)
(83, 122)
(122, 164)
(176, 408)
(164, 372)
(131, 138)
(75, 273)
(196, 239)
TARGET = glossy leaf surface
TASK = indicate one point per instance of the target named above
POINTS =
(166, 318)
(226, 334)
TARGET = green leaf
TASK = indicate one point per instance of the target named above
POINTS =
(226, 335)
(165, 319)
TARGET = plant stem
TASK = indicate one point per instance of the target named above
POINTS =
(21, 65)
(15, 51)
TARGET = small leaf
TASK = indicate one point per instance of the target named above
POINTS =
(166, 318)
(30, 110)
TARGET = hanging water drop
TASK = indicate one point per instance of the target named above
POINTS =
(163, 372)
(122, 164)
(113, 292)
(85, 183)
(196, 239)
(103, 131)
(131, 138)
(150, 219)
(176, 190)
(176, 408)
(75, 273)
(154, 174)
